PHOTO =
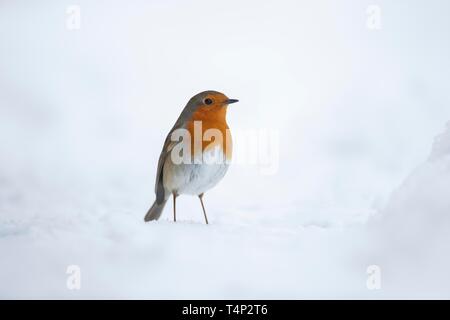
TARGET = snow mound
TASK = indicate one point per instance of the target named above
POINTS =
(441, 146)
(415, 230)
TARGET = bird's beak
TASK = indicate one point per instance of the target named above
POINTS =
(230, 101)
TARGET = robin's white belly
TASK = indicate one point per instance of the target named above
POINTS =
(195, 179)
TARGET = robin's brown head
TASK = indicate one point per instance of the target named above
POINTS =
(210, 100)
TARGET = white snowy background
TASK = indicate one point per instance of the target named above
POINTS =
(361, 178)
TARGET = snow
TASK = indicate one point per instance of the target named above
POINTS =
(83, 115)
(244, 253)
(413, 232)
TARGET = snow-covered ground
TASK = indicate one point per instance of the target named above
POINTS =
(83, 115)
(412, 233)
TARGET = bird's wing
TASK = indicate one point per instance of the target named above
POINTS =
(159, 187)
(168, 146)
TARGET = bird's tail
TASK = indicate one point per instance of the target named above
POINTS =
(155, 211)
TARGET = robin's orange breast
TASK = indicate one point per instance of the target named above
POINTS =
(214, 130)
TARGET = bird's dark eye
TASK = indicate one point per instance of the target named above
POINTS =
(208, 101)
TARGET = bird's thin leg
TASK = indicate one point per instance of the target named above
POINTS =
(203, 207)
(175, 207)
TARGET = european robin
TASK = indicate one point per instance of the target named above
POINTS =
(197, 162)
